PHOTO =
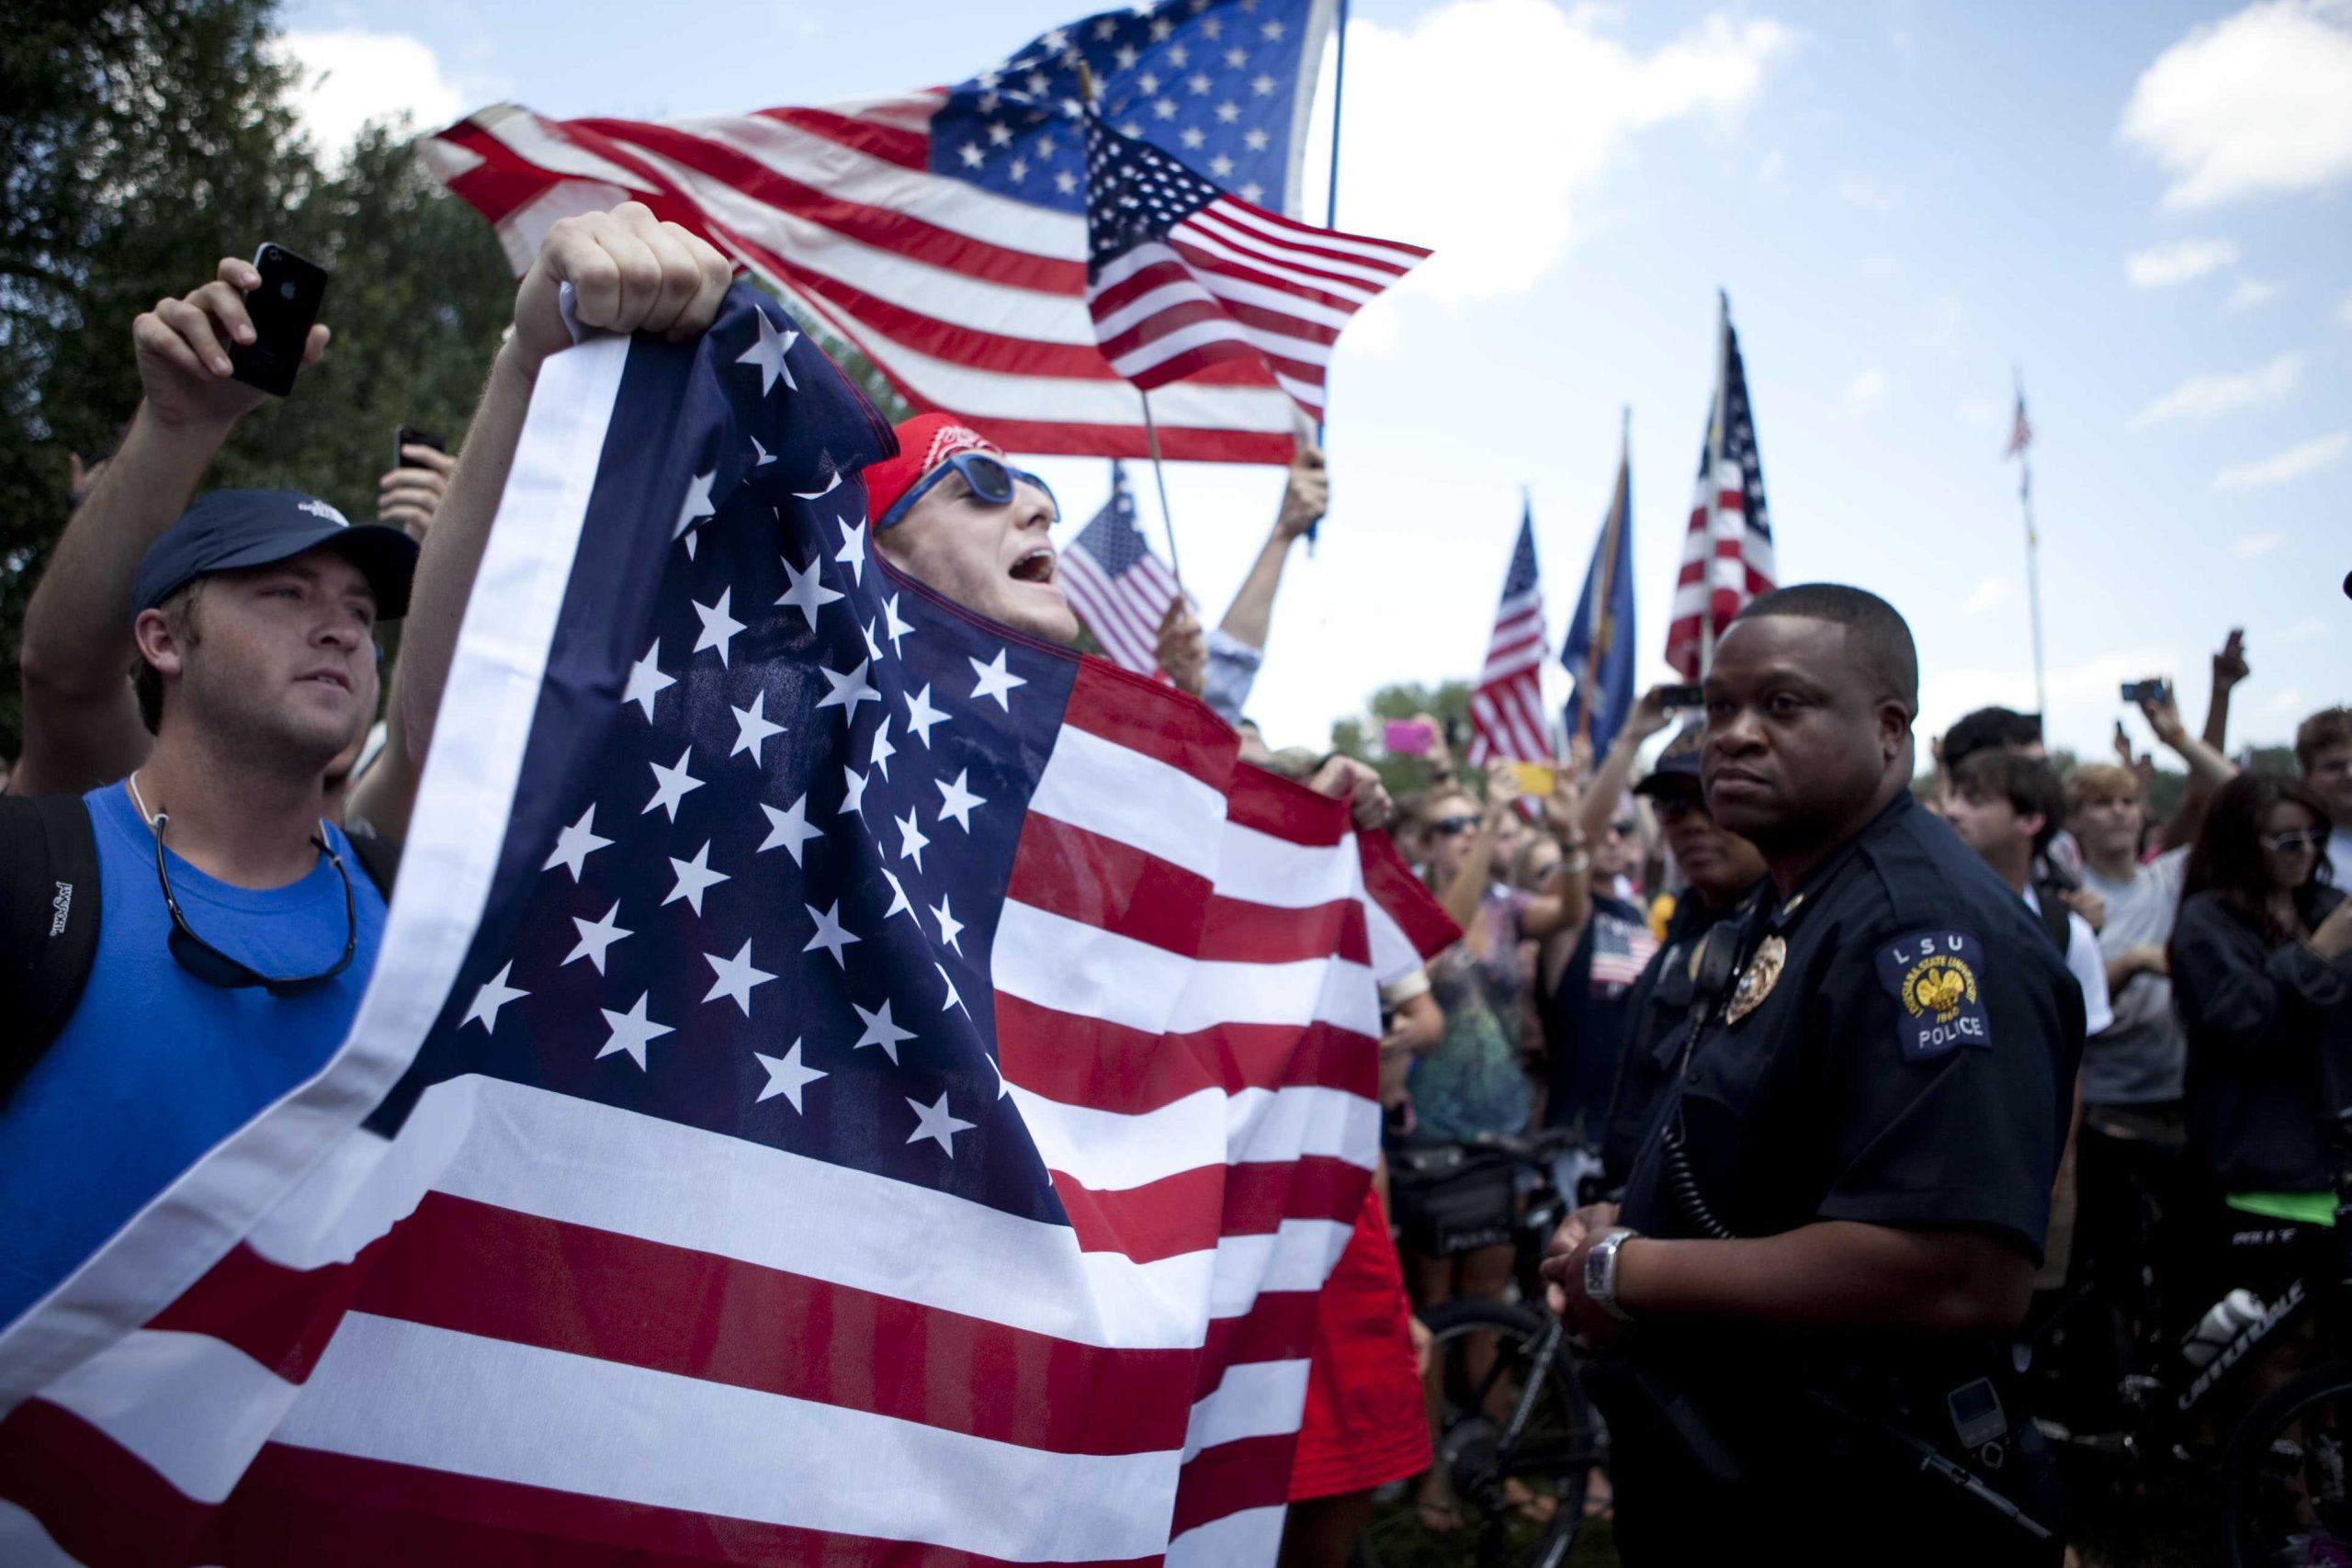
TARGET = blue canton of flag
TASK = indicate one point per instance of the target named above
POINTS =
(1220, 84)
(776, 882)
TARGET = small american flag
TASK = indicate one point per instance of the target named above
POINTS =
(943, 230)
(2020, 431)
(1727, 551)
(842, 1081)
(1622, 947)
(1507, 705)
(1117, 586)
(1180, 276)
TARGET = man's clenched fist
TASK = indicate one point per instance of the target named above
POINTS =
(629, 272)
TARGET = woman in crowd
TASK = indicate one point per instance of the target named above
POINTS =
(2260, 977)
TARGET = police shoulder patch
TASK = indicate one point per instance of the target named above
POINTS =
(1935, 977)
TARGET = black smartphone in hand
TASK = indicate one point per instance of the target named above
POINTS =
(1672, 698)
(411, 436)
(283, 309)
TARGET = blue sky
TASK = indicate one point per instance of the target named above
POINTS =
(2147, 208)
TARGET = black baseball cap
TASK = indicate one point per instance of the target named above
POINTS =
(231, 528)
(1679, 763)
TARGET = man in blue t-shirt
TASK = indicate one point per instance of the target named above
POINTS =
(236, 930)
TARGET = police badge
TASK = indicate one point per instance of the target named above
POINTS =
(1756, 980)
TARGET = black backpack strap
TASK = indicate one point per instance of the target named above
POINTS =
(48, 921)
(2050, 901)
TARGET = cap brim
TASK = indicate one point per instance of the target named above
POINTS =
(1665, 779)
(386, 557)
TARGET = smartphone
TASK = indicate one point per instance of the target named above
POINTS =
(1536, 778)
(1672, 698)
(411, 436)
(283, 311)
(2150, 690)
(1408, 737)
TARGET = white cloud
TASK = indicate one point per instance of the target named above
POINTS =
(2258, 103)
(1868, 388)
(350, 77)
(1864, 191)
(1773, 172)
(2177, 263)
(2212, 393)
(2281, 467)
(1989, 413)
(2249, 545)
(2344, 312)
(2301, 631)
(2253, 291)
(1990, 594)
(1559, 83)
(2288, 699)
(1880, 267)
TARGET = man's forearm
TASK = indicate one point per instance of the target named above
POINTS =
(1609, 783)
(2216, 717)
(1832, 1274)
(453, 550)
(1250, 617)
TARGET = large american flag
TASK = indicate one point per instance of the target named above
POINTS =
(1726, 554)
(1119, 588)
(842, 1081)
(943, 232)
(1180, 276)
(1507, 705)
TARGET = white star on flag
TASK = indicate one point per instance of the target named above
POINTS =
(495, 993)
(880, 1030)
(829, 935)
(921, 715)
(955, 997)
(898, 901)
(912, 839)
(950, 927)
(806, 594)
(853, 794)
(596, 936)
(893, 628)
(719, 626)
(935, 1123)
(788, 828)
(995, 679)
(873, 642)
(736, 976)
(696, 505)
(853, 551)
(672, 785)
(850, 687)
(632, 1032)
(645, 681)
(752, 726)
(576, 843)
(787, 1077)
(958, 801)
(768, 354)
(695, 878)
(883, 750)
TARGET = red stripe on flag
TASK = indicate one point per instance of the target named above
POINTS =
(1107, 884)
(1189, 1211)
(1188, 737)
(1247, 1473)
(1102, 1066)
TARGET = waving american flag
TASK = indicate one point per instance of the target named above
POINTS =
(943, 232)
(1727, 553)
(842, 1080)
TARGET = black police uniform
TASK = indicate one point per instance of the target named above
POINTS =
(1899, 1049)
(1659, 1008)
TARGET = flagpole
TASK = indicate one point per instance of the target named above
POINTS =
(2032, 556)
(1331, 209)
(1599, 629)
(1167, 518)
(1714, 484)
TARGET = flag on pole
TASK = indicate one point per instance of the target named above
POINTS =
(943, 230)
(1118, 588)
(2021, 431)
(1598, 653)
(842, 1081)
(1180, 276)
(1727, 550)
(1507, 717)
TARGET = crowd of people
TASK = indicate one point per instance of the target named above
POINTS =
(1848, 1063)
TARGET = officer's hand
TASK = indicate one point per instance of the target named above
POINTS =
(183, 350)
(628, 270)
(1563, 1270)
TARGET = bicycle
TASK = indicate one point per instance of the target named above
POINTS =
(1513, 1430)
(2284, 1469)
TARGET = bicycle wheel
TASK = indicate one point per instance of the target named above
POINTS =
(2284, 1475)
(1516, 1443)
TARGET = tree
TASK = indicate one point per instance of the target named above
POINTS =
(1448, 703)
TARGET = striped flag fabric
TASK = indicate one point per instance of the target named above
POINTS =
(1507, 705)
(2021, 431)
(842, 1081)
(1180, 276)
(1727, 557)
(943, 232)
(1118, 588)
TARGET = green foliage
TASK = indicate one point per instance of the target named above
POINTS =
(1358, 736)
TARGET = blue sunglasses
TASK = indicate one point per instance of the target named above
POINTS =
(990, 479)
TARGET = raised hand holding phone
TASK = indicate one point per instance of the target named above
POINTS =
(281, 306)
(184, 347)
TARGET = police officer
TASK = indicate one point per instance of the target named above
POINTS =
(1721, 869)
(1832, 1222)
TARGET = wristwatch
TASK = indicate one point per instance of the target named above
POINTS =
(1600, 1273)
